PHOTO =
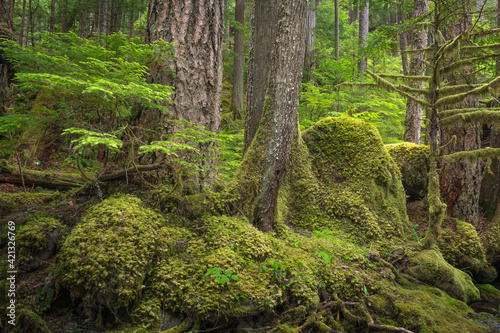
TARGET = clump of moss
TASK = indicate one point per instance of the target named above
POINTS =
(487, 291)
(413, 162)
(36, 235)
(105, 259)
(147, 313)
(489, 240)
(16, 201)
(430, 267)
(355, 184)
(461, 246)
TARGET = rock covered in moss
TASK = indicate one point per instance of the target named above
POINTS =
(413, 162)
(490, 240)
(461, 246)
(359, 185)
(106, 258)
(37, 240)
(430, 267)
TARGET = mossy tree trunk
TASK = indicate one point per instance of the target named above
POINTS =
(264, 27)
(195, 27)
(264, 163)
(237, 94)
(418, 40)
(460, 181)
(6, 72)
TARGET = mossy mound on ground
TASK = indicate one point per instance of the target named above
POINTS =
(105, 259)
(461, 246)
(37, 239)
(354, 185)
(487, 291)
(489, 240)
(18, 201)
(421, 309)
(430, 267)
(413, 162)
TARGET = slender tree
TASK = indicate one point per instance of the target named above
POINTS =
(337, 31)
(237, 94)
(261, 173)
(418, 37)
(310, 41)
(363, 35)
(6, 72)
(195, 28)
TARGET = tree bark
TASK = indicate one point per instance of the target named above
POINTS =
(310, 41)
(460, 181)
(414, 111)
(402, 42)
(131, 20)
(6, 71)
(23, 29)
(337, 31)
(52, 21)
(265, 161)
(363, 36)
(195, 27)
(264, 27)
(490, 183)
(237, 94)
(115, 17)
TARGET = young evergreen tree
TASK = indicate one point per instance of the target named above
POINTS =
(444, 101)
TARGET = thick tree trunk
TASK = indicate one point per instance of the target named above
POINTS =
(237, 95)
(6, 72)
(264, 27)
(363, 36)
(337, 31)
(264, 163)
(460, 181)
(310, 63)
(414, 111)
(490, 183)
(195, 27)
(115, 17)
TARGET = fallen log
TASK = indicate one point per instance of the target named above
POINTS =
(60, 180)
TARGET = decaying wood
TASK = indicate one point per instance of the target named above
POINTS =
(60, 180)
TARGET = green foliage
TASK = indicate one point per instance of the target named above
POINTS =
(90, 138)
(222, 276)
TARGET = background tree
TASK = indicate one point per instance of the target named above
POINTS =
(363, 35)
(195, 28)
(6, 15)
(237, 94)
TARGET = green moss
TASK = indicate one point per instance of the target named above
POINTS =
(34, 236)
(106, 257)
(29, 321)
(430, 267)
(354, 184)
(461, 246)
(413, 162)
(487, 291)
(147, 313)
(489, 240)
(18, 201)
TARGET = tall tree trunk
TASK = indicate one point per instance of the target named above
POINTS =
(337, 31)
(310, 41)
(115, 16)
(264, 27)
(237, 95)
(131, 20)
(460, 181)
(52, 21)
(6, 71)
(228, 27)
(363, 36)
(195, 27)
(498, 26)
(414, 111)
(490, 183)
(402, 42)
(264, 164)
(23, 30)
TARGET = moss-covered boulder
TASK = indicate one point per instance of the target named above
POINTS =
(489, 240)
(106, 258)
(430, 267)
(37, 240)
(413, 162)
(20, 201)
(358, 185)
(461, 246)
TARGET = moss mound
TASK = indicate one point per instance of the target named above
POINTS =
(38, 239)
(489, 240)
(413, 162)
(430, 267)
(105, 259)
(460, 246)
(358, 186)
(17, 201)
